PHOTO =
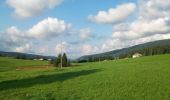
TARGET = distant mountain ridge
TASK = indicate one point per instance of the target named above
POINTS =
(127, 51)
(24, 55)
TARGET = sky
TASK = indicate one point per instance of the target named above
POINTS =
(81, 27)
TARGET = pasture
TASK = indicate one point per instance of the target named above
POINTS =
(145, 78)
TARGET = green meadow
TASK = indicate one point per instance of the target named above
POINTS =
(145, 78)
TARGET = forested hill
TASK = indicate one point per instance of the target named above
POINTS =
(24, 55)
(150, 48)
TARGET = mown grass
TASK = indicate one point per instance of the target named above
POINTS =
(145, 78)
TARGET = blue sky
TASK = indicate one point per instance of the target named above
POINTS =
(81, 27)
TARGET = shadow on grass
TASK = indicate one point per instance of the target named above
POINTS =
(44, 79)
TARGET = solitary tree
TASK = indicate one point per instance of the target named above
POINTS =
(65, 61)
(57, 61)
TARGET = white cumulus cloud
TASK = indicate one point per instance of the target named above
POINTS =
(29, 8)
(143, 28)
(14, 39)
(113, 15)
(153, 9)
(49, 27)
(23, 48)
(11, 37)
(112, 44)
(152, 23)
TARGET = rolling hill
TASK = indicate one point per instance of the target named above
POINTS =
(127, 52)
(24, 55)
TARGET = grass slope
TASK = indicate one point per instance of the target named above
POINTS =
(145, 78)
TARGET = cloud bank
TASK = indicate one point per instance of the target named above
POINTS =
(152, 23)
(132, 23)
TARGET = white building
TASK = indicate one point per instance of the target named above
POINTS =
(41, 59)
(49, 59)
(136, 55)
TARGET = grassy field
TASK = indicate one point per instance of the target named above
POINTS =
(145, 78)
(8, 64)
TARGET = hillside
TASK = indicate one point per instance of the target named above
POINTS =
(127, 52)
(127, 79)
(24, 55)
